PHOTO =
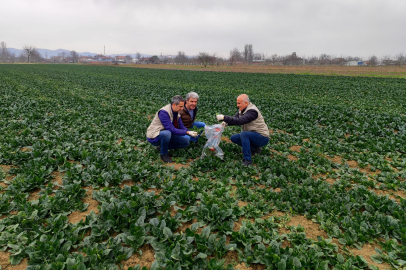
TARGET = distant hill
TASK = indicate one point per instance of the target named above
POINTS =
(49, 53)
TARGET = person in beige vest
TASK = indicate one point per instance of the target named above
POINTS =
(167, 131)
(255, 132)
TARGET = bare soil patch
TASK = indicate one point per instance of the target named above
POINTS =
(368, 250)
(390, 193)
(226, 139)
(295, 148)
(57, 177)
(157, 191)
(10, 214)
(331, 181)
(312, 229)
(177, 166)
(146, 259)
(129, 183)
(4, 262)
(352, 163)
(335, 159)
(241, 266)
(25, 149)
(34, 195)
(242, 204)
(76, 216)
(185, 225)
(292, 158)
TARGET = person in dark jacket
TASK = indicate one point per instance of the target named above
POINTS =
(189, 112)
(167, 131)
(255, 132)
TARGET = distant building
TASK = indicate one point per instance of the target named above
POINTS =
(352, 63)
(120, 59)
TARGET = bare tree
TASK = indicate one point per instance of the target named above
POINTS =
(312, 60)
(373, 61)
(12, 58)
(62, 55)
(386, 60)
(22, 58)
(29, 51)
(205, 58)
(4, 52)
(274, 58)
(248, 53)
(400, 59)
(235, 56)
(138, 56)
(74, 56)
(181, 58)
(128, 58)
(325, 59)
(36, 56)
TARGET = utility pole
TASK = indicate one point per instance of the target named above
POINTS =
(105, 50)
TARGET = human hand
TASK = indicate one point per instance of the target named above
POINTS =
(220, 117)
(193, 133)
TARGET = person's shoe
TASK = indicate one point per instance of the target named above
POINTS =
(246, 162)
(166, 158)
(255, 150)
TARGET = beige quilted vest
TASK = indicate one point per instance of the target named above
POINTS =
(156, 126)
(258, 125)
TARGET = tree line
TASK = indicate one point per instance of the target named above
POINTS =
(245, 56)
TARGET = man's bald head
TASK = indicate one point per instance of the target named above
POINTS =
(242, 102)
(244, 97)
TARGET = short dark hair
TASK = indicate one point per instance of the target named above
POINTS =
(177, 99)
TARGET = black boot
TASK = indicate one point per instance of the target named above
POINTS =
(246, 162)
(166, 158)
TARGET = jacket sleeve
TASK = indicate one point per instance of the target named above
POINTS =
(249, 116)
(168, 125)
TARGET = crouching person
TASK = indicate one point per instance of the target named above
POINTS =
(189, 112)
(255, 132)
(167, 131)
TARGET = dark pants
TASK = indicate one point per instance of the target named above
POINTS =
(169, 141)
(248, 139)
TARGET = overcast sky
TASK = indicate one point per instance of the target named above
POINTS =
(308, 27)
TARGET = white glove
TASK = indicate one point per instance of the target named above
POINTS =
(193, 133)
(220, 117)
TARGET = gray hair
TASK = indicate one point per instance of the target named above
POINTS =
(177, 99)
(192, 95)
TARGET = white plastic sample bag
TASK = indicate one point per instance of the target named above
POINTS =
(213, 134)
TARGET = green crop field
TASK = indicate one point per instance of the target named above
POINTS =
(80, 188)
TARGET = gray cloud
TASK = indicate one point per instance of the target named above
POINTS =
(310, 27)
